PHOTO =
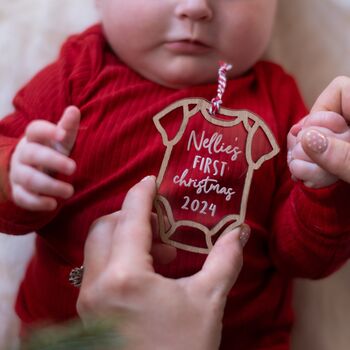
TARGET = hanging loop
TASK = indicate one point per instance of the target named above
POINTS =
(222, 80)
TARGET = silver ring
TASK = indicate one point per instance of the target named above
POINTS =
(76, 276)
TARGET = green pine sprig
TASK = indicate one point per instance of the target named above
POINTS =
(95, 335)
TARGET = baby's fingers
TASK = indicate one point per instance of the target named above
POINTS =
(30, 201)
(311, 174)
(43, 132)
(298, 153)
(69, 123)
(36, 182)
(40, 156)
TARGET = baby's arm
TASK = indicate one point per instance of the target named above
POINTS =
(44, 150)
(326, 124)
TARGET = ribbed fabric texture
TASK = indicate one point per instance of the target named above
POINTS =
(295, 231)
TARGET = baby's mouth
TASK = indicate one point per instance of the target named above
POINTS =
(187, 46)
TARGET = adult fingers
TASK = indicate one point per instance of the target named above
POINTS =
(327, 122)
(330, 153)
(336, 97)
(97, 274)
(98, 246)
(223, 264)
(326, 119)
(133, 235)
(297, 151)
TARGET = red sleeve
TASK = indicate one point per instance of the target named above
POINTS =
(44, 97)
(7, 145)
(310, 227)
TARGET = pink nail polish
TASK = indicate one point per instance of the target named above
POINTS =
(316, 141)
(244, 235)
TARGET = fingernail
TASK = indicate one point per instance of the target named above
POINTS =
(294, 178)
(244, 235)
(146, 178)
(316, 141)
(295, 129)
(60, 134)
(69, 192)
(59, 147)
(71, 166)
(309, 184)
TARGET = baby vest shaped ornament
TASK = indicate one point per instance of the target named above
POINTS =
(207, 169)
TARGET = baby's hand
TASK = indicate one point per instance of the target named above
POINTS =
(326, 123)
(44, 150)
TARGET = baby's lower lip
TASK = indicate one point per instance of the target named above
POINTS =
(187, 47)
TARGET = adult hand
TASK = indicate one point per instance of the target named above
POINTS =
(331, 153)
(155, 312)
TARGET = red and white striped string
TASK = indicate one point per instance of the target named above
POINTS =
(222, 80)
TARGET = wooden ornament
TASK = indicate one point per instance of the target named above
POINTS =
(207, 169)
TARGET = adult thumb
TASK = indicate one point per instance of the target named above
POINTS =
(331, 154)
(224, 262)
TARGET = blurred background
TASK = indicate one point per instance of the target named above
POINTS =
(311, 40)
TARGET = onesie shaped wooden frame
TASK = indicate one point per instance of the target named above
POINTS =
(207, 169)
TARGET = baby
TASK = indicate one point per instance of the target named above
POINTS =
(63, 167)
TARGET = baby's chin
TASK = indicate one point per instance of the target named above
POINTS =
(179, 79)
(178, 76)
(182, 83)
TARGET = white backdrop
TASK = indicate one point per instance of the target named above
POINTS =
(30, 35)
(311, 40)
